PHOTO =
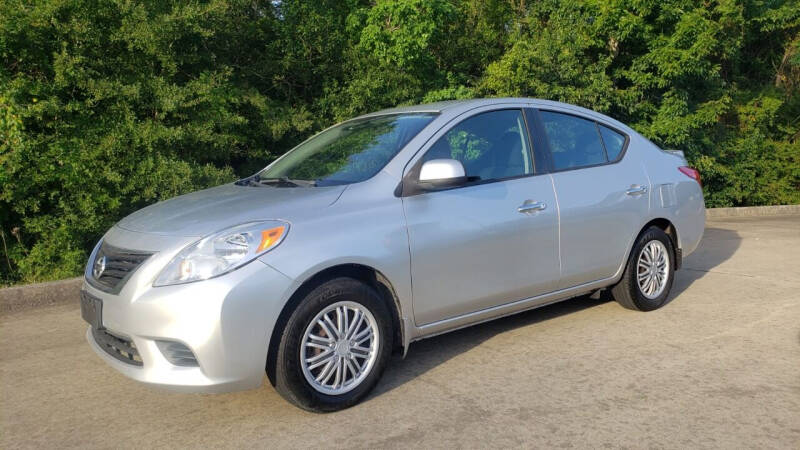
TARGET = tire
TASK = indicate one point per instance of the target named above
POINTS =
(628, 291)
(295, 379)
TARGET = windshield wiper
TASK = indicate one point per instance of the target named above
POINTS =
(249, 181)
(256, 180)
(286, 181)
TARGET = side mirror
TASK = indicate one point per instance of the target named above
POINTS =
(441, 174)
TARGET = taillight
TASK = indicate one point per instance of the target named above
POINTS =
(691, 173)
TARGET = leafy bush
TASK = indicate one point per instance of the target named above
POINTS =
(106, 106)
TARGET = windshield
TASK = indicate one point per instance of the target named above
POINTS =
(351, 152)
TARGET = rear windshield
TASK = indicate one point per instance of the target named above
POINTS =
(350, 152)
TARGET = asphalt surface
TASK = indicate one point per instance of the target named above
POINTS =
(719, 366)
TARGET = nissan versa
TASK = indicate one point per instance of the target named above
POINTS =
(382, 230)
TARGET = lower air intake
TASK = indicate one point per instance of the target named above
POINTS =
(119, 347)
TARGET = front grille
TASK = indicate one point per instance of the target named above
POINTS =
(119, 347)
(113, 266)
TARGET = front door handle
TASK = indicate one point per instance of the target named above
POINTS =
(530, 206)
(636, 189)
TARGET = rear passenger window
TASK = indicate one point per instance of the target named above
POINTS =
(613, 141)
(574, 142)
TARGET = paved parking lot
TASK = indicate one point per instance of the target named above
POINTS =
(719, 366)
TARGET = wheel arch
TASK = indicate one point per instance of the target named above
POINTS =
(671, 230)
(360, 272)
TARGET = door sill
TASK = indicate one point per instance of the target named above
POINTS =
(506, 309)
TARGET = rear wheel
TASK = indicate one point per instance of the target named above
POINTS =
(334, 346)
(648, 276)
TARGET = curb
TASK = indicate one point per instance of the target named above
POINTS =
(752, 211)
(31, 296)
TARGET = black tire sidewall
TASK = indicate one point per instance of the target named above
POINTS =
(291, 382)
(643, 303)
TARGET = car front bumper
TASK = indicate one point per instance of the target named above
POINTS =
(226, 322)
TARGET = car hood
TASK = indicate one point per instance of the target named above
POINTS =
(203, 212)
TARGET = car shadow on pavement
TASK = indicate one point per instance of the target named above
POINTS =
(429, 353)
(717, 246)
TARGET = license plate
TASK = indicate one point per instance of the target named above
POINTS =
(92, 310)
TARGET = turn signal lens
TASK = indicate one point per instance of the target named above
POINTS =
(270, 237)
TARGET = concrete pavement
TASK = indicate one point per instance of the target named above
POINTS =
(719, 366)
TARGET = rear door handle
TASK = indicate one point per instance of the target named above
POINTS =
(636, 190)
(530, 206)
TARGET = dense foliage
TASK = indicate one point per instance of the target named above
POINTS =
(106, 106)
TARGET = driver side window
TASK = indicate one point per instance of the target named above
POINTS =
(491, 146)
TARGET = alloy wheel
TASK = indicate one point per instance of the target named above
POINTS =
(652, 269)
(339, 348)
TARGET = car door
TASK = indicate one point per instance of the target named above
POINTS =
(491, 241)
(601, 190)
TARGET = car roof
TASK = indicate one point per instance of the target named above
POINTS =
(456, 107)
(437, 107)
(473, 103)
(464, 105)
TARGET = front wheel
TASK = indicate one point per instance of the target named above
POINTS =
(334, 346)
(648, 276)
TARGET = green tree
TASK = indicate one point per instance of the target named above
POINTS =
(107, 106)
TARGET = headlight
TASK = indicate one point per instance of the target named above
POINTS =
(223, 252)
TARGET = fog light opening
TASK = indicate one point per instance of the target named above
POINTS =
(177, 354)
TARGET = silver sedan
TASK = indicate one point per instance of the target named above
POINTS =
(383, 230)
